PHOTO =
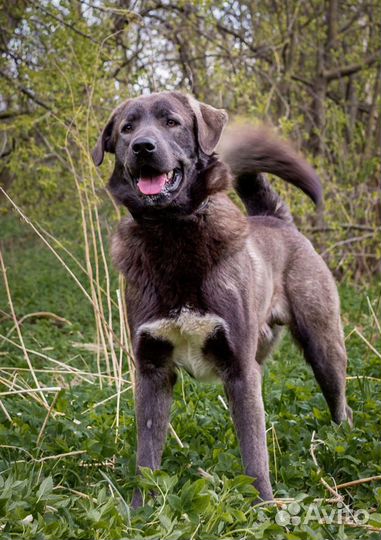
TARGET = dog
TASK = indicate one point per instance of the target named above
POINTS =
(209, 289)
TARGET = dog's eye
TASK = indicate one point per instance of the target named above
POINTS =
(171, 122)
(126, 128)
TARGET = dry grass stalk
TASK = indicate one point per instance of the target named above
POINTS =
(99, 403)
(25, 352)
(97, 306)
(314, 443)
(45, 422)
(358, 482)
(92, 230)
(223, 402)
(276, 447)
(337, 497)
(55, 253)
(71, 255)
(60, 456)
(76, 492)
(102, 325)
(126, 330)
(44, 458)
(7, 369)
(373, 315)
(174, 434)
(19, 384)
(72, 369)
(32, 390)
(6, 413)
(123, 340)
(363, 377)
(373, 349)
(38, 315)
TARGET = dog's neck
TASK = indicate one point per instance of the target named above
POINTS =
(172, 216)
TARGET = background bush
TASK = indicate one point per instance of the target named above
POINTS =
(312, 69)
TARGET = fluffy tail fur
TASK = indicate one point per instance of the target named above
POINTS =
(250, 151)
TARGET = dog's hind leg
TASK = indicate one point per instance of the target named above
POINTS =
(247, 410)
(242, 378)
(316, 326)
(324, 350)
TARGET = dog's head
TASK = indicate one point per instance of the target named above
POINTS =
(162, 143)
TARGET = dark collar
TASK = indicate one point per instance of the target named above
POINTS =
(173, 216)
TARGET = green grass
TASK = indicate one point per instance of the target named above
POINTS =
(201, 492)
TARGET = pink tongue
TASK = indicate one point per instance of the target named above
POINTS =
(152, 185)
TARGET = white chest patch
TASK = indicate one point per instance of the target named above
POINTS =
(188, 333)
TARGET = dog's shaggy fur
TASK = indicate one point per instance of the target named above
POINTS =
(209, 288)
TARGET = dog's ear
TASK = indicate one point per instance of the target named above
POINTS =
(210, 123)
(105, 142)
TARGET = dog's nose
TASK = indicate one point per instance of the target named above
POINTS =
(143, 145)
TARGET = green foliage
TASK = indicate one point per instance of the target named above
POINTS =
(65, 65)
(76, 479)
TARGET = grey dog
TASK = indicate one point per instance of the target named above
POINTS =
(209, 288)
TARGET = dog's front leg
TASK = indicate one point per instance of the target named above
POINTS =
(154, 384)
(243, 387)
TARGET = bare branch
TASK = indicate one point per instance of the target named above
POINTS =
(344, 71)
(25, 91)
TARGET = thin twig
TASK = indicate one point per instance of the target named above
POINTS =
(105, 400)
(60, 372)
(119, 380)
(76, 492)
(367, 342)
(348, 241)
(356, 227)
(358, 482)
(38, 315)
(221, 399)
(74, 370)
(93, 301)
(44, 424)
(32, 390)
(59, 456)
(362, 377)
(4, 409)
(314, 443)
(26, 356)
(374, 315)
(173, 432)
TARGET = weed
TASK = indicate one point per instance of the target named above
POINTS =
(68, 441)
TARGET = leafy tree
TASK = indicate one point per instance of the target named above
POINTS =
(313, 69)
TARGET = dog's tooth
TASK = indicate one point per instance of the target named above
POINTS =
(170, 175)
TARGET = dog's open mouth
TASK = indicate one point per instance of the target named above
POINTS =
(153, 182)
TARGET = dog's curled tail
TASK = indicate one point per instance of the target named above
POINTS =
(250, 151)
